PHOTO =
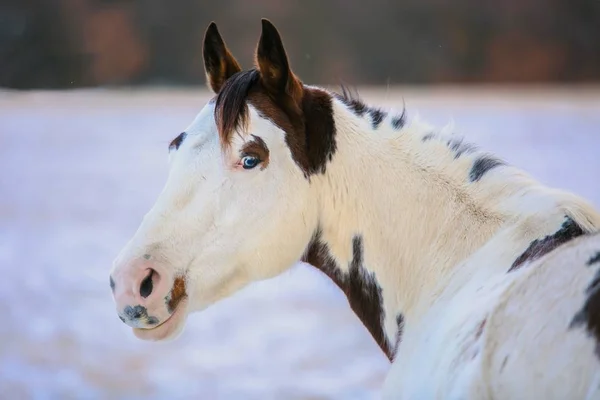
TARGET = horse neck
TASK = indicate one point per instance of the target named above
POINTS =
(399, 209)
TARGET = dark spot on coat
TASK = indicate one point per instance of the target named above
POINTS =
(112, 284)
(480, 329)
(540, 247)
(359, 108)
(589, 315)
(361, 288)
(175, 143)
(399, 121)
(460, 147)
(503, 363)
(400, 323)
(377, 117)
(177, 294)
(482, 165)
(122, 319)
(136, 312)
(594, 259)
(428, 136)
(354, 104)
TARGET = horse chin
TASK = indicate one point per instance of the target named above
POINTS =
(169, 329)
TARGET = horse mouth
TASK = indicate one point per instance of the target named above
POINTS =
(169, 328)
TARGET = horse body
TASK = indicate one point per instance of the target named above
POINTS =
(470, 314)
(476, 281)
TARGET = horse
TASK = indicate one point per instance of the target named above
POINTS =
(476, 281)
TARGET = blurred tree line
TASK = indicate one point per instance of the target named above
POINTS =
(74, 43)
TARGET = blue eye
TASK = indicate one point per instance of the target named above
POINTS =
(249, 162)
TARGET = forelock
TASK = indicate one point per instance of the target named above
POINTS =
(231, 109)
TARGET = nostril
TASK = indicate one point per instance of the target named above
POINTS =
(146, 286)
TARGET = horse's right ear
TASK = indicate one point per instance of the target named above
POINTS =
(273, 64)
(219, 63)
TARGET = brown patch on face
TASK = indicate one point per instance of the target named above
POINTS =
(540, 247)
(257, 148)
(177, 294)
(304, 114)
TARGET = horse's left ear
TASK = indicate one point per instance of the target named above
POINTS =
(273, 65)
(219, 63)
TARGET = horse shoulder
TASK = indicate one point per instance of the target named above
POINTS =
(534, 347)
(510, 338)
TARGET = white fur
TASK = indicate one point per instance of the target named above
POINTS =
(439, 246)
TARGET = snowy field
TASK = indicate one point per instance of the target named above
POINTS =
(78, 171)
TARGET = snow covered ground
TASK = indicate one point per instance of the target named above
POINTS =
(79, 169)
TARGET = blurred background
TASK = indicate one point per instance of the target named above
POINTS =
(74, 43)
(93, 91)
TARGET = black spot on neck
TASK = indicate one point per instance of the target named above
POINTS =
(460, 147)
(319, 129)
(377, 117)
(595, 259)
(112, 284)
(483, 165)
(352, 101)
(312, 138)
(359, 108)
(589, 315)
(400, 323)
(540, 247)
(399, 121)
(428, 136)
(360, 287)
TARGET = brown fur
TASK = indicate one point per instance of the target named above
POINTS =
(362, 290)
(258, 148)
(177, 294)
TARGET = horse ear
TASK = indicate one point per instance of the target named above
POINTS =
(219, 63)
(273, 65)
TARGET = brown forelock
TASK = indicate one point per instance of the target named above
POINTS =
(231, 111)
(178, 293)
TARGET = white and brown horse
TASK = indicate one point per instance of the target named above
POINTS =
(476, 281)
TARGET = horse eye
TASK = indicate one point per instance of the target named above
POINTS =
(249, 162)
